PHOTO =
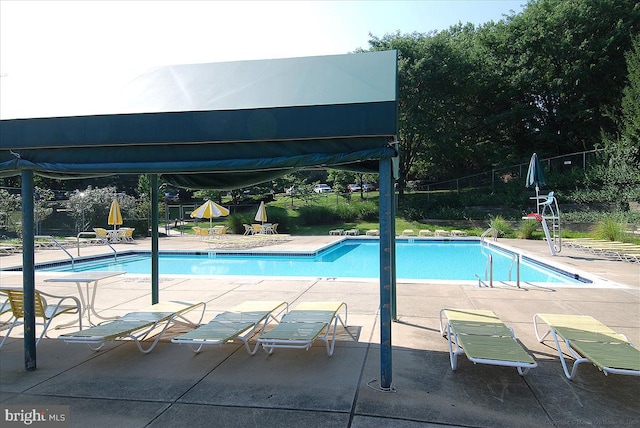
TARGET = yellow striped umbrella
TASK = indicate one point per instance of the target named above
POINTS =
(115, 217)
(209, 210)
(261, 215)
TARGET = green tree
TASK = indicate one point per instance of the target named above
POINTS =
(9, 203)
(631, 96)
(90, 207)
(616, 178)
(565, 59)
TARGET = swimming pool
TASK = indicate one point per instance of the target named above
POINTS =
(352, 258)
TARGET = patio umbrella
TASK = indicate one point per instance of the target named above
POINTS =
(115, 217)
(210, 210)
(535, 176)
(261, 215)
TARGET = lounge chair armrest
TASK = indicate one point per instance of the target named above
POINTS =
(62, 298)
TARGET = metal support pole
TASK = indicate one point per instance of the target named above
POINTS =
(155, 271)
(386, 271)
(28, 270)
(392, 246)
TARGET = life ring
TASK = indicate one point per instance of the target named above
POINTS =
(535, 216)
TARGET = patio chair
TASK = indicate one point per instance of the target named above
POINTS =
(305, 324)
(220, 230)
(484, 338)
(128, 234)
(239, 323)
(408, 232)
(7, 250)
(588, 340)
(5, 308)
(44, 310)
(425, 232)
(101, 233)
(248, 230)
(201, 232)
(137, 326)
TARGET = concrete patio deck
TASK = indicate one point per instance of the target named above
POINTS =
(224, 386)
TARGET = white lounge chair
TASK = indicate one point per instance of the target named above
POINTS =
(482, 336)
(137, 325)
(588, 340)
(239, 323)
(305, 324)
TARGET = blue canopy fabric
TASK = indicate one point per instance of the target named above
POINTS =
(222, 125)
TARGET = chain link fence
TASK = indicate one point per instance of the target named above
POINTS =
(489, 179)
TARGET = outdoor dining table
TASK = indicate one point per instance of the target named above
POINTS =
(267, 228)
(113, 235)
(87, 278)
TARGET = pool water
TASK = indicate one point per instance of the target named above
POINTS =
(417, 260)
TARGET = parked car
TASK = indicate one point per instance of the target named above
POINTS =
(291, 190)
(322, 188)
(353, 188)
(171, 196)
(368, 187)
(60, 195)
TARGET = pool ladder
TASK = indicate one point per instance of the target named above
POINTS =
(488, 269)
(57, 244)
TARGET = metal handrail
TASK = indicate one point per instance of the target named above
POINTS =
(488, 267)
(59, 245)
(103, 240)
(486, 232)
(515, 259)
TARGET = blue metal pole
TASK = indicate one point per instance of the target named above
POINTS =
(155, 267)
(28, 270)
(386, 271)
(392, 234)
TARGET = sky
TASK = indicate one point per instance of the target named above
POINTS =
(56, 54)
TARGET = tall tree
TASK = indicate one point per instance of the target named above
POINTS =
(566, 60)
(631, 96)
(616, 178)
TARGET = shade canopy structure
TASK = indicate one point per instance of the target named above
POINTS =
(220, 126)
(210, 210)
(261, 214)
(115, 216)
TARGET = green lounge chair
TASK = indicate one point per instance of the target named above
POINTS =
(482, 336)
(240, 322)
(137, 325)
(587, 339)
(305, 324)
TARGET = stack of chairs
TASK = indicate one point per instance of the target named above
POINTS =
(613, 249)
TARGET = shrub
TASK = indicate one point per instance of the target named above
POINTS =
(236, 222)
(527, 227)
(315, 215)
(611, 229)
(500, 225)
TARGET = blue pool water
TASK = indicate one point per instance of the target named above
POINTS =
(418, 260)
